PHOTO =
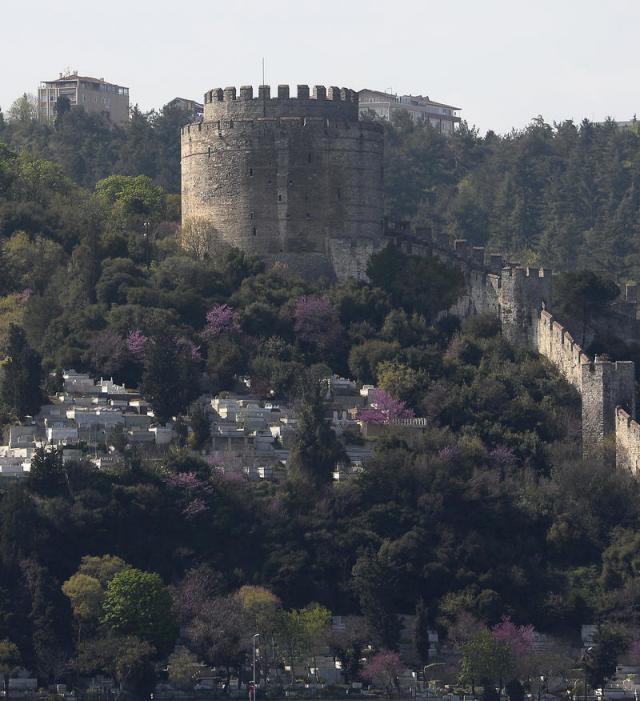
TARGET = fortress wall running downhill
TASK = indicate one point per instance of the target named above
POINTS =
(627, 442)
(554, 342)
(520, 298)
(605, 387)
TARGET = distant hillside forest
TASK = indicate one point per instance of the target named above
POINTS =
(565, 196)
(491, 512)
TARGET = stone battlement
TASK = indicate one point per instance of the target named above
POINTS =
(521, 297)
(521, 273)
(320, 92)
(295, 180)
(318, 102)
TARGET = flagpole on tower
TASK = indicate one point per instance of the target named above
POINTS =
(264, 97)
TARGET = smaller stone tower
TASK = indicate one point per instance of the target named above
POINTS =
(605, 386)
(523, 292)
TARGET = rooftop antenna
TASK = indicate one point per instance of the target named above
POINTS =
(264, 99)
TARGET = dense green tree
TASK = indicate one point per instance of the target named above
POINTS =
(49, 621)
(200, 425)
(581, 296)
(315, 451)
(600, 661)
(21, 393)
(420, 284)
(138, 603)
(374, 584)
(169, 380)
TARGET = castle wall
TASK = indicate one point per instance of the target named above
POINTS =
(519, 297)
(296, 186)
(627, 442)
(554, 342)
(603, 385)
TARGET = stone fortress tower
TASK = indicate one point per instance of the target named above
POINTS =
(291, 179)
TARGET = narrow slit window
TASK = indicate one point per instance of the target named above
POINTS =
(254, 231)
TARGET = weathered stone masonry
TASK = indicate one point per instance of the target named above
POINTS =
(296, 180)
(300, 181)
(520, 297)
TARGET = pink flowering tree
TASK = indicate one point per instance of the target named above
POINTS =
(136, 343)
(518, 640)
(191, 489)
(191, 347)
(315, 320)
(383, 409)
(384, 669)
(220, 320)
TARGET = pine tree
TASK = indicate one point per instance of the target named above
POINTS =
(21, 393)
(315, 451)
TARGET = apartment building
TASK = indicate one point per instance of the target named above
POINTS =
(385, 105)
(94, 95)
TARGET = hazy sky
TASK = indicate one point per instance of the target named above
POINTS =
(502, 61)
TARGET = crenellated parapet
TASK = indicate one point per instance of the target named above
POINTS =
(339, 103)
(521, 298)
(296, 180)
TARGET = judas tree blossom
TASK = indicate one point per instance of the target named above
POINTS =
(449, 453)
(383, 409)
(520, 639)
(503, 456)
(192, 488)
(194, 507)
(136, 342)
(194, 350)
(315, 320)
(187, 481)
(220, 320)
(383, 669)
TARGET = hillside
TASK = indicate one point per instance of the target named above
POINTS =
(484, 515)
